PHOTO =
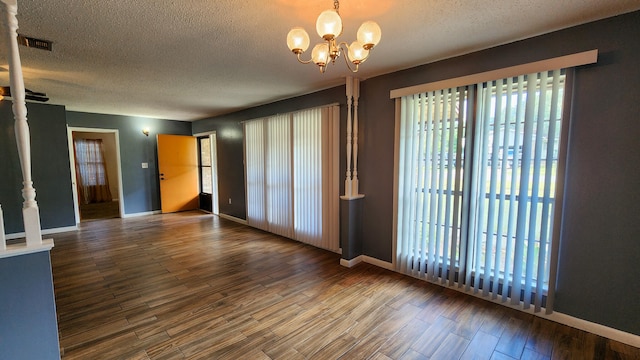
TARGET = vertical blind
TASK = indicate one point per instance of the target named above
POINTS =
(278, 176)
(476, 185)
(291, 169)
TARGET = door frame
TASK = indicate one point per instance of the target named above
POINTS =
(72, 163)
(214, 168)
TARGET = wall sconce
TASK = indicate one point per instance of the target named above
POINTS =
(145, 131)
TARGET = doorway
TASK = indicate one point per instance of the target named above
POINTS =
(110, 148)
(208, 172)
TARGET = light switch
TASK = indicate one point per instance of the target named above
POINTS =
(145, 165)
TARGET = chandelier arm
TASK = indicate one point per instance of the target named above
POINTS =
(303, 61)
(347, 61)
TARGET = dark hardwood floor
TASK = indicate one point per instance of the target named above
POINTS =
(99, 211)
(191, 285)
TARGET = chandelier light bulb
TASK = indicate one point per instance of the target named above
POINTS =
(369, 34)
(329, 25)
(357, 53)
(298, 40)
(320, 54)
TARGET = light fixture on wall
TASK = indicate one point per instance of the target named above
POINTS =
(329, 27)
(145, 131)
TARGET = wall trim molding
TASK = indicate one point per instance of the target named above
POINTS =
(351, 263)
(24, 249)
(144, 213)
(564, 319)
(367, 259)
(558, 317)
(233, 218)
(560, 62)
(379, 263)
(594, 328)
(44, 232)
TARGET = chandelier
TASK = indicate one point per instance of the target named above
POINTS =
(329, 27)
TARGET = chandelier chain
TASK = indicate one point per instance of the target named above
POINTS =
(336, 6)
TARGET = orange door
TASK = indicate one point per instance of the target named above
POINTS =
(178, 167)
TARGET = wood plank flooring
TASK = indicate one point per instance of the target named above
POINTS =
(99, 211)
(193, 286)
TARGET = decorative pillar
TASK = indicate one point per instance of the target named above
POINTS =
(347, 181)
(30, 212)
(356, 95)
(351, 204)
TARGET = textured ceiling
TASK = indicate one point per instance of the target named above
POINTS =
(192, 59)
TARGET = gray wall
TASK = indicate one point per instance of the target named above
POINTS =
(600, 249)
(140, 187)
(229, 155)
(28, 326)
(600, 252)
(230, 146)
(50, 167)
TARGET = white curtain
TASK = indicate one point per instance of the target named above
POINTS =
(254, 141)
(91, 171)
(278, 175)
(476, 189)
(292, 177)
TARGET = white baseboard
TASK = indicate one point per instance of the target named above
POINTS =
(351, 263)
(145, 213)
(44, 232)
(233, 218)
(564, 319)
(379, 263)
(366, 259)
(594, 328)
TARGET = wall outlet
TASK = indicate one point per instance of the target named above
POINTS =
(229, 201)
(145, 165)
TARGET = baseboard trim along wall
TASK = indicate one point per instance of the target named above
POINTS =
(564, 319)
(145, 213)
(366, 259)
(233, 218)
(44, 232)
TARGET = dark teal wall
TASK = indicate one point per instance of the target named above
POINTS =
(599, 275)
(599, 248)
(49, 165)
(140, 187)
(229, 155)
(228, 130)
(28, 325)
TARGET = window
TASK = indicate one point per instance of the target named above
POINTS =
(205, 165)
(476, 185)
(292, 176)
(91, 171)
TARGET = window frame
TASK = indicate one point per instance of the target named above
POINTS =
(565, 62)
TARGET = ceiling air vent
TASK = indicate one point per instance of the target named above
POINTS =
(34, 43)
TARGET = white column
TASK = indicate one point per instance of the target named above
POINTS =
(356, 95)
(30, 212)
(347, 181)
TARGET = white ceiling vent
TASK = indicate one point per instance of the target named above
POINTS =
(34, 43)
